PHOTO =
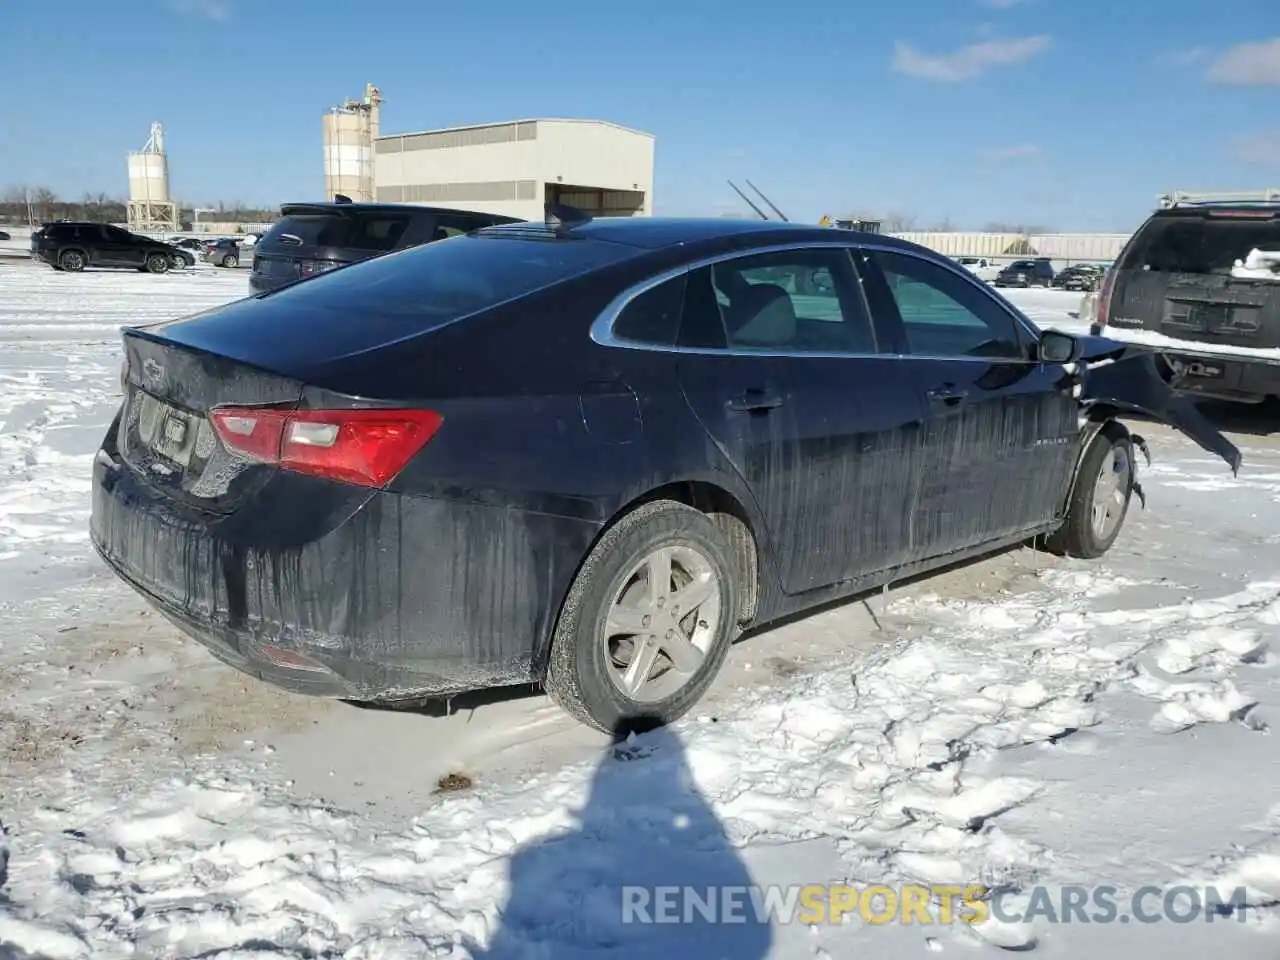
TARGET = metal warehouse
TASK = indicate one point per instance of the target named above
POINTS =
(515, 168)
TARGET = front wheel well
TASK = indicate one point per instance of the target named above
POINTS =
(1098, 417)
(730, 518)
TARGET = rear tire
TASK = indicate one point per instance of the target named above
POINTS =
(157, 263)
(616, 613)
(1099, 500)
(72, 261)
(231, 261)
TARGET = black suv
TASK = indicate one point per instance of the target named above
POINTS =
(1081, 276)
(313, 238)
(73, 245)
(1026, 273)
(1202, 281)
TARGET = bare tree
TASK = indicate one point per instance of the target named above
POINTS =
(898, 223)
(44, 200)
(20, 203)
(943, 226)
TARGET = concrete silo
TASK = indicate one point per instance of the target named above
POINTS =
(151, 209)
(349, 132)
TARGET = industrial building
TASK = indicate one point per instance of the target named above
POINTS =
(511, 168)
(151, 209)
(349, 131)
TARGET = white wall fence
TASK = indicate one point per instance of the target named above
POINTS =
(1065, 247)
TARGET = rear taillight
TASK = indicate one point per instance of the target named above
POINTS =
(366, 447)
(1102, 305)
(309, 268)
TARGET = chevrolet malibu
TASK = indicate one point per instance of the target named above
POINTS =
(589, 453)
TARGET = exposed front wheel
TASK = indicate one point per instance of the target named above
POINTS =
(1100, 498)
(157, 263)
(73, 261)
(647, 622)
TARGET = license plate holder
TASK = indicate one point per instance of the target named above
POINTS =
(166, 431)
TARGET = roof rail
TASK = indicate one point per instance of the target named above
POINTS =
(1189, 198)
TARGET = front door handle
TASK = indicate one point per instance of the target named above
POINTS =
(947, 394)
(755, 400)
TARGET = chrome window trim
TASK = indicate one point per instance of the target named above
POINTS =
(602, 334)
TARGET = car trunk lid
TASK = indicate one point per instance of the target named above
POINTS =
(165, 433)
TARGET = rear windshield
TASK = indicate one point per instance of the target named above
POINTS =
(379, 232)
(442, 281)
(1199, 244)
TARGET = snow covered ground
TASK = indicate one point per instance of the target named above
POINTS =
(1023, 722)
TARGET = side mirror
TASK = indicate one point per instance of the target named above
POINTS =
(1058, 347)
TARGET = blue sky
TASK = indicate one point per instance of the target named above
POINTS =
(1070, 114)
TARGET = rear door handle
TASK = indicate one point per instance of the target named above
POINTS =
(947, 394)
(755, 400)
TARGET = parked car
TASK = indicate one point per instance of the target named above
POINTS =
(222, 253)
(314, 238)
(588, 453)
(1026, 273)
(1080, 276)
(193, 244)
(1186, 283)
(981, 267)
(73, 245)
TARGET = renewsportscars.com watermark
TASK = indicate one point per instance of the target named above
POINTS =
(928, 904)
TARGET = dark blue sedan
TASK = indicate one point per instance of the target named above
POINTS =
(587, 454)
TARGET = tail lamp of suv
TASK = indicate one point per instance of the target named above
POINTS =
(1102, 307)
(367, 447)
(309, 268)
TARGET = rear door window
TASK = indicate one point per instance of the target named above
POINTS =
(1200, 244)
(378, 232)
(653, 317)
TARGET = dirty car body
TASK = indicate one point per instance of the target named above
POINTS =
(405, 478)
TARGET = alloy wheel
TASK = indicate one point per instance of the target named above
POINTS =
(661, 623)
(1110, 491)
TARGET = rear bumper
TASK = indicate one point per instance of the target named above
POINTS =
(260, 284)
(326, 589)
(1236, 373)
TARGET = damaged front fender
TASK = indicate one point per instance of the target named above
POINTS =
(1127, 378)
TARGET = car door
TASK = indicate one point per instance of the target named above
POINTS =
(778, 361)
(1000, 427)
(119, 248)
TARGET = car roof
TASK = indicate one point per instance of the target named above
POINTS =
(654, 233)
(1259, 210)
